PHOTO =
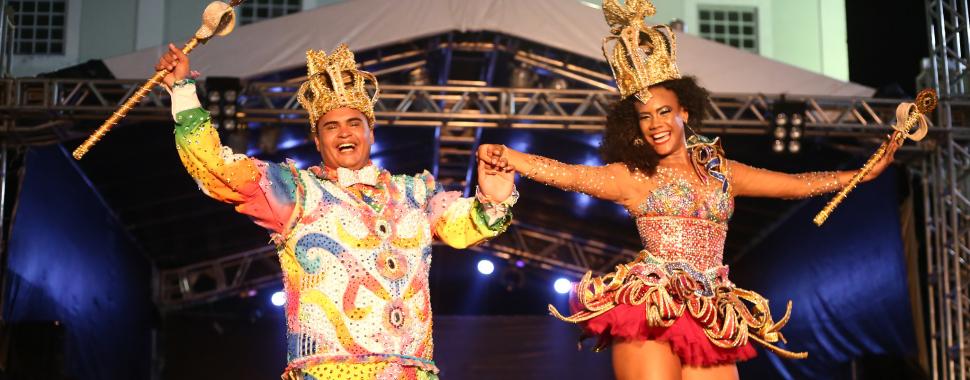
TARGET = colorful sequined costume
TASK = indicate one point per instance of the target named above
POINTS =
(355, 259)
(677, 290)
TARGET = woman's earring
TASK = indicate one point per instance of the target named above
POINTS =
(687, 124)
(638, 141)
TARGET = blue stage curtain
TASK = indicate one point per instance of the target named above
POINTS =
(847, 281)
(513, 348)
(70, 260)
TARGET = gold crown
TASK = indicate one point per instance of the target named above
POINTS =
(636, 64)
(333, 82)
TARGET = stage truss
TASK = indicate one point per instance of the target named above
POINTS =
(238, 274)
(946, 186)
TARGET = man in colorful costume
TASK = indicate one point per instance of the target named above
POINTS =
(354, 241)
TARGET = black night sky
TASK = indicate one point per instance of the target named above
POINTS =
(887, 40)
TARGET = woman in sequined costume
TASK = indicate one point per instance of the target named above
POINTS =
(672, 313)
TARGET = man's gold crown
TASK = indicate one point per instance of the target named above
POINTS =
(637, 64)
(334, 81)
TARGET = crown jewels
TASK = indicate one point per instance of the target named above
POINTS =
(638, 63)
(334, 81)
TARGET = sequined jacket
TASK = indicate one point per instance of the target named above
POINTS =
(355, 260)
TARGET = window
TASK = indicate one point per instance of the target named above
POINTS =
(257, 10)
(39, 26)
(735, 26)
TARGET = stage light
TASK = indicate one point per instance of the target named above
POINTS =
(523, 77)
(418, 76)
(485, 267)
(222, 95)
(780, 132)
(278, 298)
(558, 84)
(778, 146)
(781, 120)
(519, 264)
(787, 126)
(562, 285)
(291, 143)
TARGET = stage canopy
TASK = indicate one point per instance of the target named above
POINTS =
(280, 44)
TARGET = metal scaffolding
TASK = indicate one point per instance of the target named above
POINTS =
(237, 274)
(38, 105)
(43, 110)
(946, 185)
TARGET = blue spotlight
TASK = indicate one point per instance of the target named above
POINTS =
(562, 285)
(485, 267)
(291, 143)
(278, 298)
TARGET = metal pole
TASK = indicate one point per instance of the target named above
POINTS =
(931, 279)
(4, 152)
(954, 239)
(944, 262)
(4, 36)
(472, 163)
(949, 40)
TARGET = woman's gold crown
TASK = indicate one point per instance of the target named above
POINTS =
(642, 55)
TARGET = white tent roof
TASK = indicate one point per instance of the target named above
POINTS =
(281, 43)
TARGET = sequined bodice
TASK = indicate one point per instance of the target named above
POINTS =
(683, 221)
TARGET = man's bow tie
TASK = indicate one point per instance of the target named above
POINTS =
(366, 175)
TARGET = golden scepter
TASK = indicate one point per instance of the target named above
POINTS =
(218, 19)
(908, 116)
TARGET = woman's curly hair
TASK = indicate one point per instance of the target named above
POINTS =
(623, 125)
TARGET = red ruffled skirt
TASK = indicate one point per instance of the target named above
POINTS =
(706, 319)
(686, 337)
